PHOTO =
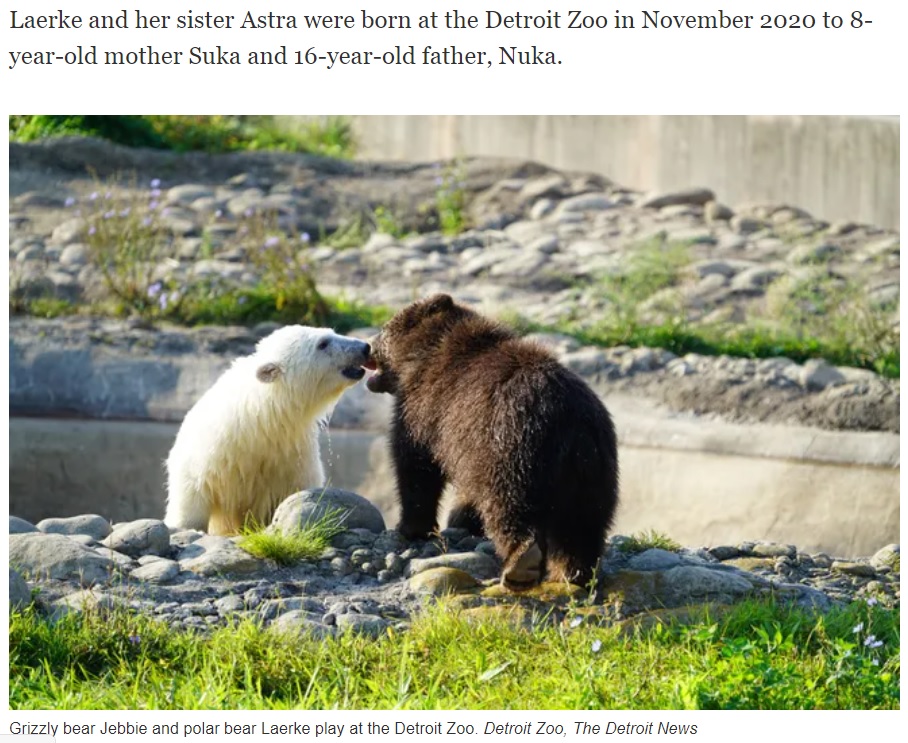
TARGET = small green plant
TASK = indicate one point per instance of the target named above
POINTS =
(387, 222)
(645, 540)
(127, 240)
(450, 199)
(352, 233)
(287, 548)
(653, 266)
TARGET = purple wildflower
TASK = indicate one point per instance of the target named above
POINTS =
(153, 204)
(871, 642)
(155, 183)
(108, 196)
(872, 601)
(219, 213)
(249, 212)
(439, 181)
(155, 289)
(162, 301)
(596, 646)
(125, 212)
(92, 230)
(135, 639)
(857, 628)
(146, 222)
(155, 193)
(305, 237)
(69, 201)
(108, 215)
(94, 195)
(272, 242)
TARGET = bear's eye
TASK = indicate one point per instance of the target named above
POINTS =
(322, 344)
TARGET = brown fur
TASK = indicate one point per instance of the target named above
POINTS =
(528, 446)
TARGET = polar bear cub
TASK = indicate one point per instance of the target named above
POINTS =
(252, 439)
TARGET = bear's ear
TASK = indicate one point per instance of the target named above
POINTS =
(268, 373)
(440, 303)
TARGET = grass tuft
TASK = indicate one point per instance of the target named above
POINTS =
(289, 547)
(645, 540)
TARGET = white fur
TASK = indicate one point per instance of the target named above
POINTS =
(247, 444)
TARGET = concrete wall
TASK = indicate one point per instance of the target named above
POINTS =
(836, 167)
(695, 495)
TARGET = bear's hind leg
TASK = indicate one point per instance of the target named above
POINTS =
(524, 565)
(420, 483)
(575, 566)
(465, 516)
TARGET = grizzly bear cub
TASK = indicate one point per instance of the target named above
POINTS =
(528, 446)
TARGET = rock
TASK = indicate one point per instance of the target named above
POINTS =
(20, 595)
(38, 556)
(477, 564)
(854, 568)
(366, 624)
(547, 244)
(188, 193)
(441, 581)
(806, 254)
(87, 601)
(162, 571)
(140, 537)
(746, 225)
(74, 254)
(213, 556)
(523, 265)
(654, 559)
(887, 557)
(695, 196)
(817, 374)
(771, 549)
(296, 622)
(754, 280)
(92, 525)
(724, 552)
(549, 187)
(586, 361)
(70, 231)
(20, 526)
(588, 202)
(542, 208)
(314, 505)
(716, 212)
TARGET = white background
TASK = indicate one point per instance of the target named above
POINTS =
(609, 71)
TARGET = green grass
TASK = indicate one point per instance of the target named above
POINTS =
(216, 134)
(757, 656)
(645, 540)
(818, 318)
(287, 548)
